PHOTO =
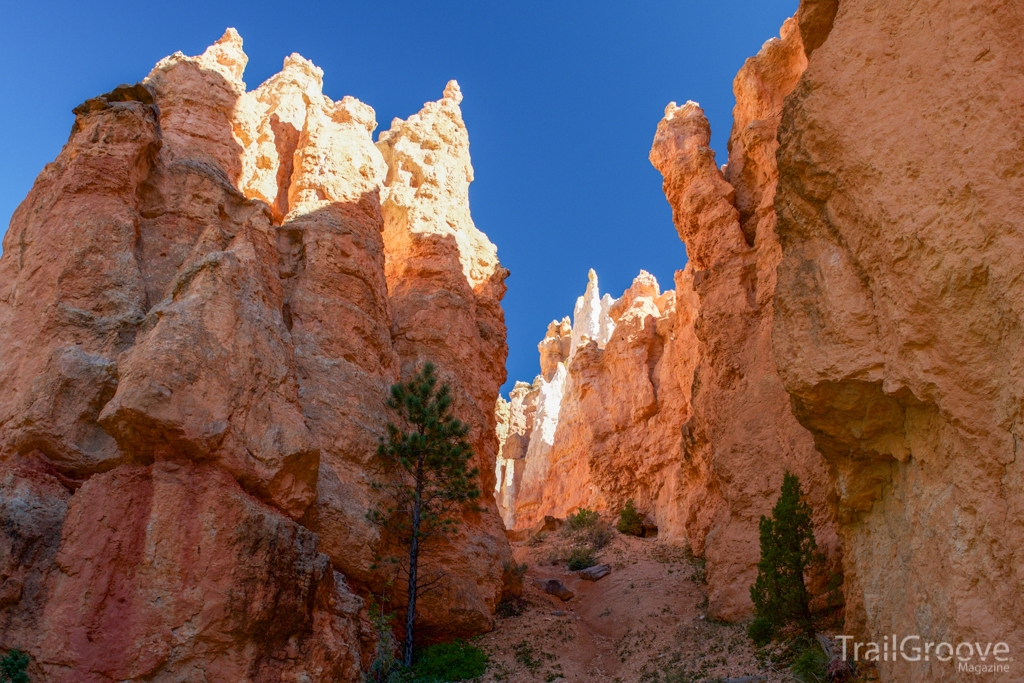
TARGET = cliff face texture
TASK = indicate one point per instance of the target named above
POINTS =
(203, 301)
(743, 436)
(602, 425)
(899, 307)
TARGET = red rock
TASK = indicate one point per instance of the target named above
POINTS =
(445, 286)
(171, 572)
(898, 311)
(197, 324)
(742, 436)
(71, 300)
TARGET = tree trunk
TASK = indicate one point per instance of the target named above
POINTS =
(414, 555)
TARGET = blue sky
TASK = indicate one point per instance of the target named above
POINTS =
(561, 101)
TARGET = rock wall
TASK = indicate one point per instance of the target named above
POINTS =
(743, 436)
(445, 286)
(602, 426)
(899, 307)
(202, 305)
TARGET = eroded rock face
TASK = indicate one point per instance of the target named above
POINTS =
(445, 286)
(171, 572)
(742, 436)
(603, 427)
(898, 311)
(200, 317)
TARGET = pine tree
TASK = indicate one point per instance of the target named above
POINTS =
(788, 551)
(13, 667)
(630, 521)
(428, 480)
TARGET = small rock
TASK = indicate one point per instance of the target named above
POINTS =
(746, 679)
(554, 587)
(598, 571)
(558, 613)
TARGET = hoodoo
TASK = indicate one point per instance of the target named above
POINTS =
(204, 301)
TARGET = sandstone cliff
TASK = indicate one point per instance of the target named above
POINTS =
(602, 425)
(899, 307)
(203, 301)
(743, 436)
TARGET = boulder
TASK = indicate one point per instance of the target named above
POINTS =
(554, 587)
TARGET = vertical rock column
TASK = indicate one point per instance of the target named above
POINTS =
(165, 456)
(742, 436)
(445, 286)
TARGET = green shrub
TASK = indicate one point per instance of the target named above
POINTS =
(582, 519)
(525, 656)
(597, 535)
(788, 551)
(761, 631)
(511, 606)
(811, 666)
(581, 558)
(630, 521)
(13, 667)
(455, 661)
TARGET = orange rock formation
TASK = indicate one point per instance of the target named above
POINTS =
(203, 301)
(899, 309)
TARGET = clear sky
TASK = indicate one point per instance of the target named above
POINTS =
(561, 101)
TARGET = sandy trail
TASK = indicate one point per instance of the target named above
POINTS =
(643, 623)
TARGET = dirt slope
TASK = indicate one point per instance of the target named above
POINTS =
(644, 622)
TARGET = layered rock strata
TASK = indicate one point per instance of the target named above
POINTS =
(202, 305)
(898, 313)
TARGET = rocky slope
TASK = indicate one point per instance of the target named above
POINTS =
(899, 307)
(203, 301)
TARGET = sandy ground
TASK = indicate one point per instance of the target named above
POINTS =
(644, 622)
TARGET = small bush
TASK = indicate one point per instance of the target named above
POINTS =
(788, 551)
(582, 519)
(581, 558)
(455, 661)
(512, 577)
(811, 666)
(536, 539)
(597, 535)
(525, 656)
(630, 521)
(761, 631)
(511, 606)
(13, 667)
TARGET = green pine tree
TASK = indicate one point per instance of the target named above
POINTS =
(630, 521)
(428, 480)
(788, 551)
(13, 667)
